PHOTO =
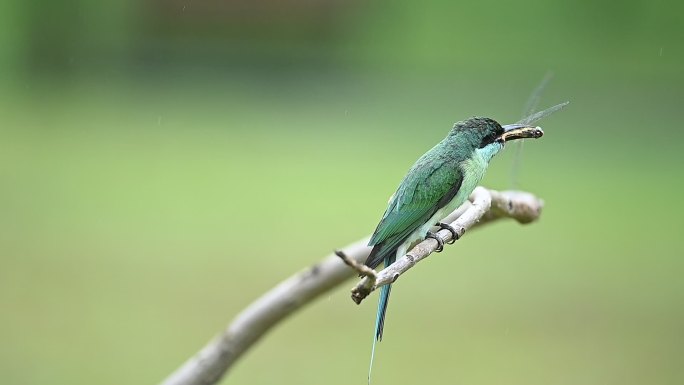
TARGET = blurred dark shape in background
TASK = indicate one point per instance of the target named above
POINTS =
(63, 38)
(70, 37)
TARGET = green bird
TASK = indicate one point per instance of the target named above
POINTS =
(439, 182)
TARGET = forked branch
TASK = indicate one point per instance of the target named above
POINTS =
(211, 363)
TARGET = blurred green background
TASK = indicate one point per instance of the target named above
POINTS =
(147, 146)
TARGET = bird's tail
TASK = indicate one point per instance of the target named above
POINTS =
(380, 317)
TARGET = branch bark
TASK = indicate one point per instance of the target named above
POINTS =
(210, 364)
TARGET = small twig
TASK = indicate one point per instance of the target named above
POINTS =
(370, 275)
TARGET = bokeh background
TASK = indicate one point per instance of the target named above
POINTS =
(146, 147)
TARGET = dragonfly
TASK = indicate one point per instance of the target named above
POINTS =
(530, 117)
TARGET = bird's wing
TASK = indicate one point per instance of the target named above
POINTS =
(430, 185)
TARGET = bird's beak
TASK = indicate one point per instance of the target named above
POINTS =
(520, 131)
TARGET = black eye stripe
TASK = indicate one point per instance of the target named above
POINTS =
(489, 138)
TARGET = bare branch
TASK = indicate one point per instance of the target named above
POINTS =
(481, 201)
(486, 205)
(213, 361)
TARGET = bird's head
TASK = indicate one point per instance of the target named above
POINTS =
(488, 135)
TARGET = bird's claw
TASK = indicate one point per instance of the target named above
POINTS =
(440, 242)
(454, 234)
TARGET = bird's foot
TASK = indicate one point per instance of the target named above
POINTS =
(440, 242)
(454, 234)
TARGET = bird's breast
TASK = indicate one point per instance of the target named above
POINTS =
(473, 170)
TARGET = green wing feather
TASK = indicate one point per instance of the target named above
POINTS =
(430, 184)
